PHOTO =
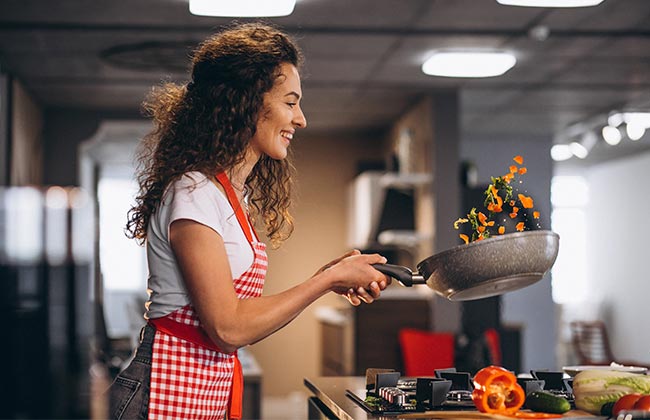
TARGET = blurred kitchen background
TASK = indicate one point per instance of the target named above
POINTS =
(391, 157)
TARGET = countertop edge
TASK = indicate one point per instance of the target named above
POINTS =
(325, 399)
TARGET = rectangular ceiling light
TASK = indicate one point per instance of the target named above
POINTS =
(468, 64)
(550, 3)
(242, 8)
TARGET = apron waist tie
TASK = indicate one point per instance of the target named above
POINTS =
(196, 335)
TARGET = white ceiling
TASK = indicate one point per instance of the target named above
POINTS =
(363, 58)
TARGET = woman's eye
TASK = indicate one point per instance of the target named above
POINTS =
(291, 104)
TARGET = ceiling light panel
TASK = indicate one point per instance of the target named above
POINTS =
(242, 8)
(550, 3)
(468, 64)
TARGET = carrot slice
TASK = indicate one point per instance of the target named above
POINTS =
(522, 170)
(518, 159)
(520, 227)
(513, 169)
(502, 230)
(533, 415)
(536, 214)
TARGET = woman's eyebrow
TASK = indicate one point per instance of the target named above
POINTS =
(296, 94)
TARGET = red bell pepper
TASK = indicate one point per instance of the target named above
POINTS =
(496, 391)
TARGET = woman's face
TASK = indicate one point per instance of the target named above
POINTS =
(281, 115)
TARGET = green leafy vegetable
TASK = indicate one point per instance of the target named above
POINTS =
(373, 402)
(594, 388)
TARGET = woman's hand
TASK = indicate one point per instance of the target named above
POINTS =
(336, 260)
(354, 270)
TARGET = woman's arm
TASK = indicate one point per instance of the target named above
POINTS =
(232, 322)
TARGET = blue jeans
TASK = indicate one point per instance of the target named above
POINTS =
(129, 393)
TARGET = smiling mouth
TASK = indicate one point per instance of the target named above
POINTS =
(286, 135)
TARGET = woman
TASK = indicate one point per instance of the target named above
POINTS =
(220, 147)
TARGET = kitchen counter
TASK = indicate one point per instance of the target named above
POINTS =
(330, 401)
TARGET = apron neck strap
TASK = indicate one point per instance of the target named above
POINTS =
(243, 220)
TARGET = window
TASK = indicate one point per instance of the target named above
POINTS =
(569, 196)
(122, 260)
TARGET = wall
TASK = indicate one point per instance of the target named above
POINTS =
(618, 252)
(325, 168)
(64, 129)
(26, 138)
(532, 308)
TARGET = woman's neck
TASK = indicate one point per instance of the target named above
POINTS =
(239, 173)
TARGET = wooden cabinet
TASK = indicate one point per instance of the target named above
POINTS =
(365, 336)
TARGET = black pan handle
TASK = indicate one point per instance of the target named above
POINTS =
(401, 273)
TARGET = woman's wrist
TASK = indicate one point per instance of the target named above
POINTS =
(326, 279)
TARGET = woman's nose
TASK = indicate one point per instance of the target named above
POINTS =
(299, 119)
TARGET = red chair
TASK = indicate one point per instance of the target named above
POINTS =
(425, 351)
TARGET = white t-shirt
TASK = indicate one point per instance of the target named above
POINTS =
(196, 198)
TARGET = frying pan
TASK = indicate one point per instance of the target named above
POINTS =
(484, 268)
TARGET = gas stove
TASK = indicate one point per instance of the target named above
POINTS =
(389, 393)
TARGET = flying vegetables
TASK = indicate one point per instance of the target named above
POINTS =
(499, 196)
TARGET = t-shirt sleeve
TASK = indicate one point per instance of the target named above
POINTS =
(195, 198)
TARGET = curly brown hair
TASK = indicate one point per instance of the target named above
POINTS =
(206, 125)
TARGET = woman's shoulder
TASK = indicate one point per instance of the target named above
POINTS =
(192, 185)
(194, 181)
(192, 178)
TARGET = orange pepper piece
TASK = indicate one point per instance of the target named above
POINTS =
(502, 230)
(536, 214)
(490, 223)
(522, 170)
(515, 210)
(513, 169)
(520, 227)
(482, 218)
(518, 159)
(527, 202)
(464, 238)
(496, 391)
(481, 229)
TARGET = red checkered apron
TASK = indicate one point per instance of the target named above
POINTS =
(190, 376)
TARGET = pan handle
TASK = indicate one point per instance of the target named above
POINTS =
(401, 273)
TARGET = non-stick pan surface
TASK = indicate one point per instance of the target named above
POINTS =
(485, 268)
